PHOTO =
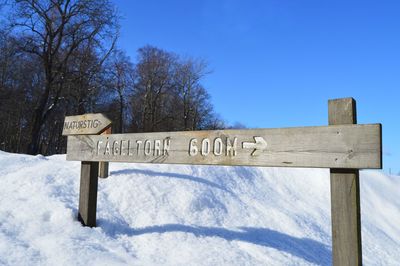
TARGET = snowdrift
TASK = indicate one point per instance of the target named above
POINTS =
(185, 215)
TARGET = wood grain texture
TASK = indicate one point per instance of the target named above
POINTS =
(88, 193)
(103, 169)
(86, 124)
(342, 146)
(103, 166)
(345, 196)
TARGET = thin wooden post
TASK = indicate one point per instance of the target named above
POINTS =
(345, 196)
(88, 193)
(103, 166)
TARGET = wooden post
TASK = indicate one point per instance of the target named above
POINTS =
(88, 193)
(103, 169)
(103, 166)
(345, 196)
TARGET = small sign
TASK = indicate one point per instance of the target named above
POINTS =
(87, 124)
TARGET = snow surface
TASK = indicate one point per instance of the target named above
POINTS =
(185, 215)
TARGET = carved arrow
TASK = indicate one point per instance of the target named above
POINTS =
(259, 146)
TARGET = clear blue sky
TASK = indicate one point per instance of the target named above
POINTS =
(276, 63)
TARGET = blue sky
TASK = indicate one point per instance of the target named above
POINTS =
(276, 63)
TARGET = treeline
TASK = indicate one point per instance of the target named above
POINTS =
(60, 58)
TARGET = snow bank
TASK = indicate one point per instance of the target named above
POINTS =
(185, 215)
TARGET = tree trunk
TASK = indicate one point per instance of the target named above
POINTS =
(121, 112)
(38, 121)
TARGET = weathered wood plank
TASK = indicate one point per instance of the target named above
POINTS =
(88, 193)
(103, 166)
(103, 169)
(345, 196)
(344, 146)
(86, 124)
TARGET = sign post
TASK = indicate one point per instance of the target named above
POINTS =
(103, 166)
(88, 193)
(343, 146)
(90, 171)
(345, 195)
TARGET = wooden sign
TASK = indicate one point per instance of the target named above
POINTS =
(86, 124)
(344, 147)
(337, 146)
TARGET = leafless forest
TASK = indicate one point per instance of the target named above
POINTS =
(60, 57)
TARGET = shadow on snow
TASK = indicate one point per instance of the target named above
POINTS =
(305, 248)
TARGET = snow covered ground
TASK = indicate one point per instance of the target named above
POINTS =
(185, 215)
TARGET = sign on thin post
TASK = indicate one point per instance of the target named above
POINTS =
(87, 124)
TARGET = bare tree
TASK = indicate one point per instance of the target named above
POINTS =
(53, 31)
(154, 73)
(192, 97)
(162, 92)
(169, 94)
(19, 75)
(120, 80)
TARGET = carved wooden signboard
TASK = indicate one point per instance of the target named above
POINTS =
(344, 146)
(88, 124)
(85, 124)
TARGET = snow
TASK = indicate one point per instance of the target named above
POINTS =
(185, 215)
